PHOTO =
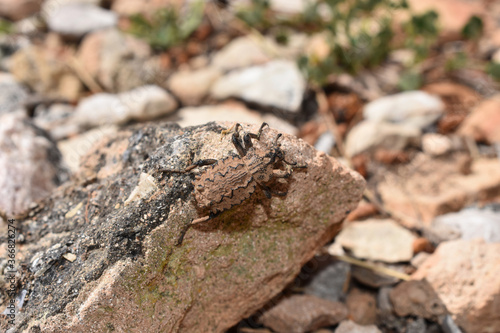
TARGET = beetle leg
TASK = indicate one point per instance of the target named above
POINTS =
(275, 143)
(265, 189)
(294, 164)
(192, 166)
(195, 221)
(257, 136)
(207, 161)
(247, 140)
(183, 233)
(186, 228)
(226, 131)
(268, 191)
(238, 145)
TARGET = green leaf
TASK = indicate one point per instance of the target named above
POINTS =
(473, 29)
(493, 70)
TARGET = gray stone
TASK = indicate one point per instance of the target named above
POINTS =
(78, 19)
(328, 283)
(414, 108)
(12, 94)
(467, 224)
(30, 164)
(53, 119)
(278, 83)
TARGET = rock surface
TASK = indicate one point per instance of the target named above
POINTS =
(374, 239)
(483, 124)
(362, 307)
(417, 298)
(19, 9)
(426, 188)
(465, 276)
(303, 313)
(127, 265)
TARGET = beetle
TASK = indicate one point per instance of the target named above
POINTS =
(231, 180)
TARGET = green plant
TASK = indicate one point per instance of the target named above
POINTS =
(359, 33)
(5, 26)
(473, 29)
(257, 15)
(167, 27)
(421, 32)
(493, 70)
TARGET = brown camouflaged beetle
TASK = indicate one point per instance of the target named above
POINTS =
(233, 179)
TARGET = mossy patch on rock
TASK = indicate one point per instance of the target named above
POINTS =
(129, 275)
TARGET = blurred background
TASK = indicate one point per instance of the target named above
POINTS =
(405, 92)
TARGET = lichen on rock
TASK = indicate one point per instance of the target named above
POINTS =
(128, 274)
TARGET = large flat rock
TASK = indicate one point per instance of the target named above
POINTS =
(92, 263)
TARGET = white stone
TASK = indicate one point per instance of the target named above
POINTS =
(436, 144)
(240, 52)
(278, 83)
(143, 103)
(369, 135)
(77, 19)
(290, 6)
(147, 185)
(416, 108)
(383, 240)
(233, 112)
(192, 86)
(468, 224)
